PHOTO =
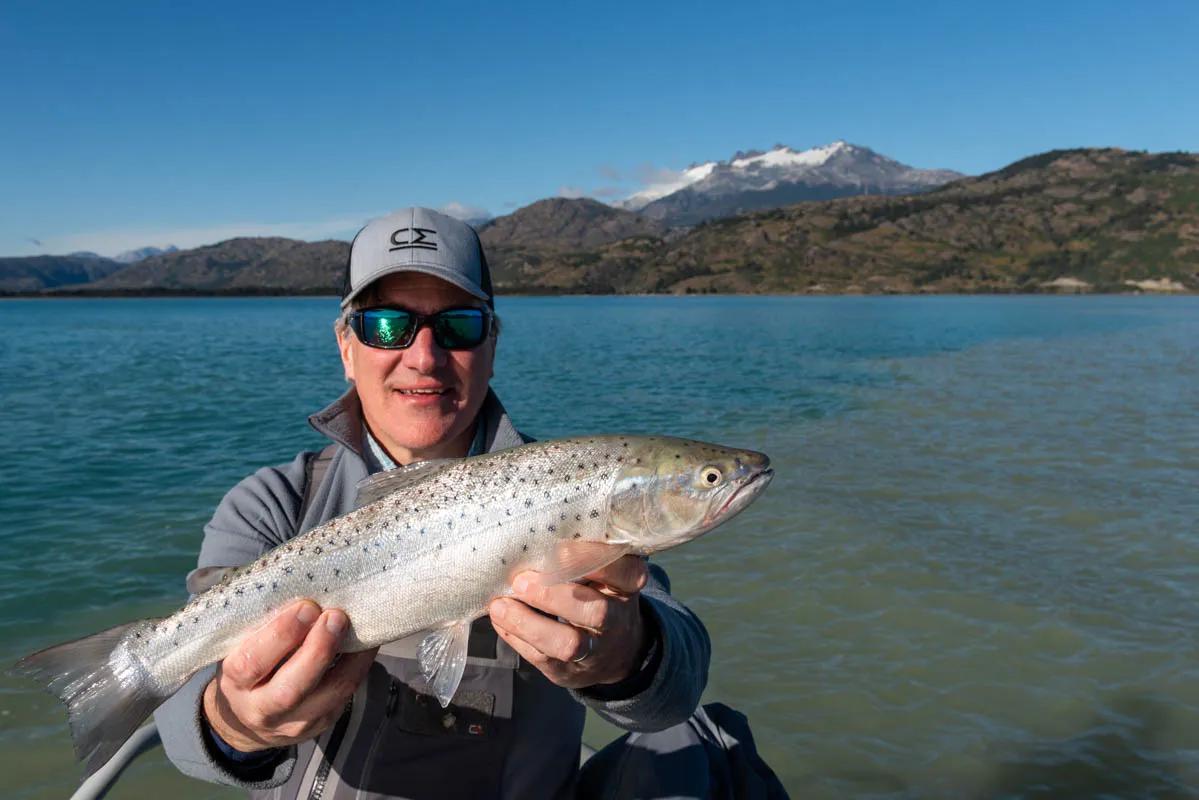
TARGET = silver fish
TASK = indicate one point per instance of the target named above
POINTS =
(428, 548)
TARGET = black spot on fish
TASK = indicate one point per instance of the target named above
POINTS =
(529, 503)
(137, 635)
(319, 550)
(577, 536)
(578, 517)
(473, 549)
(239, 591)
(309, 574)
(274, 584)
(259, 586)
(226, 602)
(625, 444)
(288, 570)
(524, 548)
(552, 528)
(336, 572)
(594, 514)
(504, 561)
(195, 620)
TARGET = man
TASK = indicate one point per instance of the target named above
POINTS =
(284, 713)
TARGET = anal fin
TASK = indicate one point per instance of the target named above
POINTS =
(442, 657)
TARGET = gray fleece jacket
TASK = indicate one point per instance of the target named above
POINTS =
(509, 732)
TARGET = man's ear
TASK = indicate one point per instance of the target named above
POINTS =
(345, 345)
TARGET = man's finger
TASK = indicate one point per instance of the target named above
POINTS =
(527, 651)
(261, 651)
(579, 605)
(337, 685)
(553, 638)
(299, 675)
(625, 575)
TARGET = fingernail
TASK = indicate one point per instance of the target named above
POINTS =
(520, 585)
(307, 613)
(335, 622)
(499, 609)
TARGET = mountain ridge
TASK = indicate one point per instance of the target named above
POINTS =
(758, 179)
(1098, 219)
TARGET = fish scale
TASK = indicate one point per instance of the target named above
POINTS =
(427, 550)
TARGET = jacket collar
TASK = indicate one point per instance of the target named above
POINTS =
(341, 421)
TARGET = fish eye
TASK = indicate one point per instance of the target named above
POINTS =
(710, 476)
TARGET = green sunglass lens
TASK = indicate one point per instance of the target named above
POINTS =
(463, 328)
(386, 328)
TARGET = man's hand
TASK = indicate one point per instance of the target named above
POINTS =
(602, 635)
(277, 687)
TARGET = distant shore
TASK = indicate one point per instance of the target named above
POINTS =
(1049, 291)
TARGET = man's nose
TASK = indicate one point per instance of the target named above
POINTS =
(424, 354)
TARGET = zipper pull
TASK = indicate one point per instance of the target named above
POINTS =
(393, 698)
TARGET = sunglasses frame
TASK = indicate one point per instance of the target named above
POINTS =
(421, 320)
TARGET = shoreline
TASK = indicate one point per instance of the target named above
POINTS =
(527, 292)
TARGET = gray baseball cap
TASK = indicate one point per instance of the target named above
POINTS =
(418, 240)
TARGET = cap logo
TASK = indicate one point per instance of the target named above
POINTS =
(413, 239)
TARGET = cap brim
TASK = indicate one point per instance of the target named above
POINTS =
(437, 271)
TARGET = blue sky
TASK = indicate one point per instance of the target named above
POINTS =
(127, 125)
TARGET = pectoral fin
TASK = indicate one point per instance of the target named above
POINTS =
(442, 657)
(571, 560)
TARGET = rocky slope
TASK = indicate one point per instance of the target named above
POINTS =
(781, 176)
(244, 265)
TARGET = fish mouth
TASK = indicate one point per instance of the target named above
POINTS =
(745, 494)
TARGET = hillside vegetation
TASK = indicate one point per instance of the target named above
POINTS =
(1069, 220)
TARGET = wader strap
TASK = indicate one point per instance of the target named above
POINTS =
(314, 475)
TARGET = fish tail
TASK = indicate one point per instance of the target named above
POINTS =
(107, 692)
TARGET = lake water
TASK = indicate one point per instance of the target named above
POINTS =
(976, 573)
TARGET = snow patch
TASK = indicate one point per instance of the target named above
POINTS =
(786, 157)
(669, 184)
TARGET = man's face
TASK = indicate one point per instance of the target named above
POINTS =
(414, 426)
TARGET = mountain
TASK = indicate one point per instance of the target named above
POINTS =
(562, 222)
(518, 244)
(243, 265)
(1067, 220)
(36, 273)
(1086, 219)
(778, 177)
(133, 256)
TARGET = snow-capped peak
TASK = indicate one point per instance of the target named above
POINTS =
(779, 157)
(783, 156)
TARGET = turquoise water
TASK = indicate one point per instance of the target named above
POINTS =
(975, 575)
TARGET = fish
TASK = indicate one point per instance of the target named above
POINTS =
(426, 549)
